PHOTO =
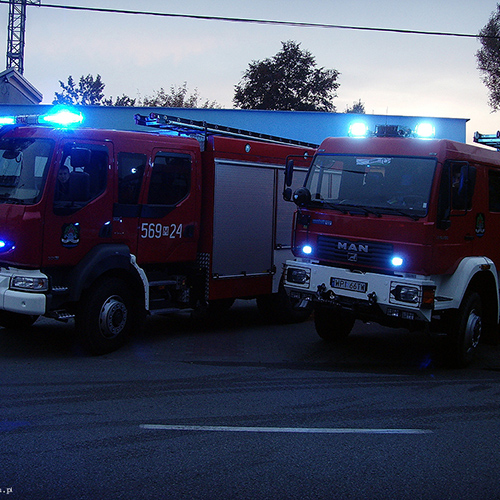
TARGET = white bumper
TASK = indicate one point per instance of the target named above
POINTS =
(19, 301)
(389, 294)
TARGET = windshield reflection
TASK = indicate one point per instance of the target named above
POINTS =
(23, 169)
(374, 184)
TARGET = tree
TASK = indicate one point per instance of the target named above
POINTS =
(177, 98)
(124, 100)
(488, 58)
(289, 80)
(88, 92)
(357, 107)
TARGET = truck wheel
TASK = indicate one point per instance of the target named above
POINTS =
(332, 324)
(106, 316)
(280, 308)
(466, 330)
(16, 321)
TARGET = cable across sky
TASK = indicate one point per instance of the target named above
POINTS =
(295, 24)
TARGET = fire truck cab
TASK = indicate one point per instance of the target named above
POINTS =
(402, 231)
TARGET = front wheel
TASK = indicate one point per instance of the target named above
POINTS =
(107, 316)
(332, 324)
(466, 330)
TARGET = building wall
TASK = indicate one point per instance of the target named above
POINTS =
(298, 125)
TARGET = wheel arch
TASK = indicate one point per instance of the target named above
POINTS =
(104, 261)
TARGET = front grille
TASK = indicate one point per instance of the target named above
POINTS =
(364, 253)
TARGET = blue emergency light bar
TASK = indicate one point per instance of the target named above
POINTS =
(422, 131)
(60, 116)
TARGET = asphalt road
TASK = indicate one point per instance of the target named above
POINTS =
(240, 409)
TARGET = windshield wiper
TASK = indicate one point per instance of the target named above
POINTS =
(364, 210)
(401, 212)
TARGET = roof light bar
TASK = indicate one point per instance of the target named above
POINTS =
(58, 117)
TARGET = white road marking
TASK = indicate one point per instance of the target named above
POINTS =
(291, 430)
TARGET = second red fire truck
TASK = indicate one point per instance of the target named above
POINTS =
(402, 231)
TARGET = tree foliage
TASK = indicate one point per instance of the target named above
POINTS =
(89, 91)
(289, 81)
(177, 97)
(488, 58)
(357, 107)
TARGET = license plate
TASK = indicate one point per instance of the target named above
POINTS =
(353, 286)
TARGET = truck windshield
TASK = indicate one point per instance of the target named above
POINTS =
(23, 169)
(374, 184)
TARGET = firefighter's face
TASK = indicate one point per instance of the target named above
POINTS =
(63, 175)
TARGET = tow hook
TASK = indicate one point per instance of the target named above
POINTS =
(324, 295)
(372, 298)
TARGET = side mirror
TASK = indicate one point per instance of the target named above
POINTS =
(302, 196)
(287, 194)
(288, 173)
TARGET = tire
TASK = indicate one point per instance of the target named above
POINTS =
(332, 324)
(466, 331)
(107, 316)
(16, 321)
(280, 308)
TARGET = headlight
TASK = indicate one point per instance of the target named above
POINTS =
(298, 276)
(405, 293)
(29, 284)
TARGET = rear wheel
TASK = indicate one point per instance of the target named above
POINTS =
(332, 324)
(107, 316)
(466, 330)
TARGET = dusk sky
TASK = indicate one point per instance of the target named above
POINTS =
(392, 73)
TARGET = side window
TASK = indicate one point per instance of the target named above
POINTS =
(130, 174)
(494, 190)
(170, 180)
(463, 182)
(81, 177)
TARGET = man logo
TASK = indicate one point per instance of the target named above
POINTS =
(351, 247)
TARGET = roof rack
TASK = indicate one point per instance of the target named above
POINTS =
(492, 140)
(197, 128)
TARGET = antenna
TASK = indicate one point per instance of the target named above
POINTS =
(15, 33)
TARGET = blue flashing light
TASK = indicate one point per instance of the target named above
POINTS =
(397, 261)
(6, 246)
(358, 129)
(307, 249)
(63, 117)
(425, 131)
(7, 120)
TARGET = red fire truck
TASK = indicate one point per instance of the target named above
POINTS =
(106, 226)
(402, 231)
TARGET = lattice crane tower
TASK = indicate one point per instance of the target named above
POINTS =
(15, 35)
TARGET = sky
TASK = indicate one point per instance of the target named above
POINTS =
(392, 73)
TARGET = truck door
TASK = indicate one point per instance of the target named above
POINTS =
(168, 222)
(80, 212)
(457, 215)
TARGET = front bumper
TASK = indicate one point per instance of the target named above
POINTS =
(362, 293)
(22, 301)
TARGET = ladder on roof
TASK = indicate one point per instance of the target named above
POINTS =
(492, 140)
(201, 128)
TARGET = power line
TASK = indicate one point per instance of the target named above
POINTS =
(295, 24)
